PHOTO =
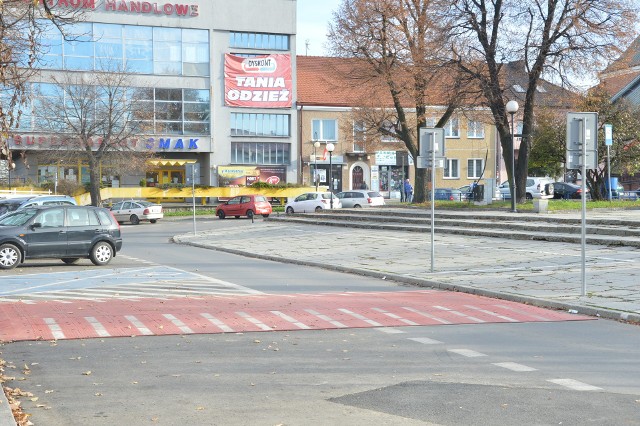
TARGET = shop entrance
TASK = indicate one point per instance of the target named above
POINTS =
(165, 176)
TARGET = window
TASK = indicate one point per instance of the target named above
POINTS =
(452, 129)
(475, 129)
(451, 169)
(259, 41)
(269, 125)
(358, 136)
(324, 130)
(474, 168)
(390, 128)
(260, 153)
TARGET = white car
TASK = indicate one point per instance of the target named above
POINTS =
(360, 198)
(135, 211)
(312, 202)
(537, 187)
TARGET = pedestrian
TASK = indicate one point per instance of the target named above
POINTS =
(363, 185)
(408, 191)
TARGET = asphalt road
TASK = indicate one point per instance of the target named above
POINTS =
(560, 372)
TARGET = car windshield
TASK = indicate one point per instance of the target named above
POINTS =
(18, 218)
(144, 203)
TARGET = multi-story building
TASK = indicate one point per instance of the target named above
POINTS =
(220, 78)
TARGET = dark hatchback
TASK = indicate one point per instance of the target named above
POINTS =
(68, 233)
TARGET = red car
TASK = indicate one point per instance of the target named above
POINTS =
(244, 205)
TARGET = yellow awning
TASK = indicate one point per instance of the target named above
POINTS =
(171, 163)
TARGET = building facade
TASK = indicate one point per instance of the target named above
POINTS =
(218, 76)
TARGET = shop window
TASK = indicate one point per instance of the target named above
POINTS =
(263, 153)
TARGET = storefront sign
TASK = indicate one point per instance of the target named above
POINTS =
(386, 158)
(258, 82)
(129, 6)
(44, 142)
(235, 176)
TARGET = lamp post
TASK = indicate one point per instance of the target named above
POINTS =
(512, 108)
(316, 178)
(330, 148)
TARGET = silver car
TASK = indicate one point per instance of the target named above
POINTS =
(135, 211)
(312, 202)
(358, 198)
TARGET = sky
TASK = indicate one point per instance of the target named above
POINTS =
(313, 19)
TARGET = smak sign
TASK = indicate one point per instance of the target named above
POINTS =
(155, 144)
(124, 6)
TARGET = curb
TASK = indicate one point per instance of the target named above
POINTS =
(541, 303)
(6, 416)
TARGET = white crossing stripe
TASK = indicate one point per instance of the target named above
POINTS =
(460, 314)
(425, 340)
(97, 326)
(360, 317)
(389, 330)
(493, 314)
(326, 318)
(182, 326)
(252, 320)
(466, 352)
(215, 321)
(55, 328)
(514, 366)
(522, 312)
(394, 316)
(427, 315)
(291, 320)
(574, 384)
(139, 325)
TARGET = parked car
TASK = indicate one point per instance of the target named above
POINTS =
(537, 187)
(568, 191)
(466, 192)
(244, 205)
(360, 198)
(135, 211)
(13, 204)
(448, 194)
(312, 202)
(68, 233)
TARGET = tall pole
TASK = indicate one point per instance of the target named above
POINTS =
(316, 178)
(512, 108)
(330, 148)
(193, 194)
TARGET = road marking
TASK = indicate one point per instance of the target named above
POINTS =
(182, 326)
(291, 320)
(523, 312)
(574, 385)
(326, 318)
(254, 321)
(390, 330)
(460, 314)
(139, 325)
(427, 315)
(56, 331)
(466, 352)
(394, 316)
(360, 317)
(425, 340)
(513, 366)
(215, 321)
(97, 326)
(493, 314)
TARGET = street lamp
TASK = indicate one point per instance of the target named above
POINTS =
(330, 148)
(512, 108)
(316, 178)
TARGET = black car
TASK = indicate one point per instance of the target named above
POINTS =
(68, 233)
(568, 191)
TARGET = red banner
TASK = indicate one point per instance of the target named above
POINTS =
(258, 82)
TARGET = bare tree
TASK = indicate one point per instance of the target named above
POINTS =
(554, 39)
(398, 45)
(99, 120)
(21, 25)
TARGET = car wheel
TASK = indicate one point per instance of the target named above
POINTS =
(153, 220)
(529, 196)
(548, 189)
(318, 209)
(221, 214)
(135, 220)
(250, 214)
(70, 260)
(101, 253)
(10, 256)
(357, 206)
(289, 210)
(265, 215)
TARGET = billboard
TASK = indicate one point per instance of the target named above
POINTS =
(236, 176)
(258, 82)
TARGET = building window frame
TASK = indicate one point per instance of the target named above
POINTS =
(259, 41)
(324, 129)
(475, 166)
(452, 128)
(451, 169)
(475, 129)
(261, 153)
(260, 125)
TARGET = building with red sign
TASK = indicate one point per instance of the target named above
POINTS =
(218, 78)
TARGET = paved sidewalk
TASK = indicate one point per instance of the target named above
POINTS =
(541, 273)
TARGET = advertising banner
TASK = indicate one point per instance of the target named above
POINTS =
(258, 82)
(235, 176)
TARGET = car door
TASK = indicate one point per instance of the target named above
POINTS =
(82, 227)
(116, 209)
(233, 206)
(47, 236)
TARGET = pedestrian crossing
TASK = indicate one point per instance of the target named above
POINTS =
(101, 285)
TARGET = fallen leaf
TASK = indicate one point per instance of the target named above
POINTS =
(87, 373)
